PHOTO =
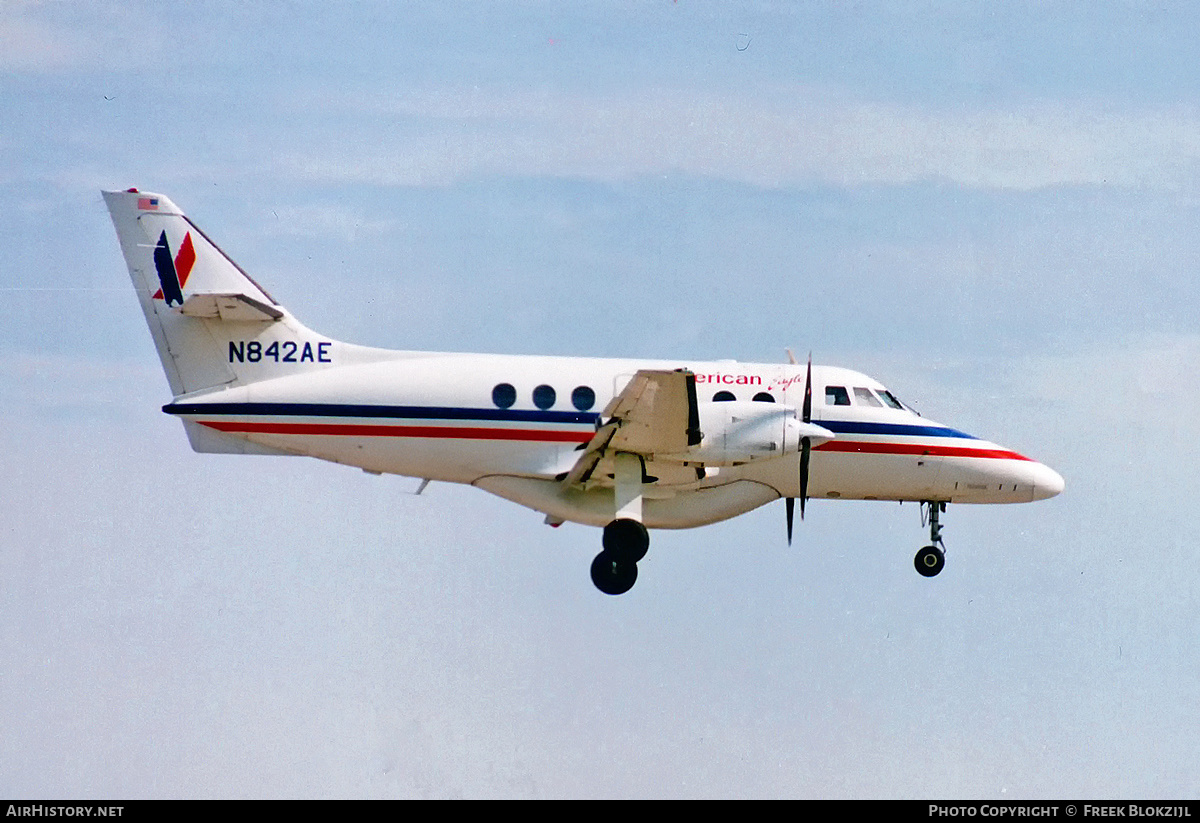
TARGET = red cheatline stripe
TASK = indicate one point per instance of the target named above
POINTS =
(480, 433)
(357, 430)
(917, 448)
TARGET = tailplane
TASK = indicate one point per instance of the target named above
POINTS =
(212, 324)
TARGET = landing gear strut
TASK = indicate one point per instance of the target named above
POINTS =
(614, 571)
(931, 559)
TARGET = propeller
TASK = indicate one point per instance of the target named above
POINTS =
(805, 455)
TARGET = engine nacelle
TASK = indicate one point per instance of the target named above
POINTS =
(741, 431)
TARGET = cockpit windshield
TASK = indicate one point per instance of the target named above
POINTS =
(865, 397)
(890, 399)
(862, 396)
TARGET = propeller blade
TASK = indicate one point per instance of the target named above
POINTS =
(806, 442)
(807, 409)
(805, 452)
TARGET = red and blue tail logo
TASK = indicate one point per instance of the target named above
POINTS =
(173, 271)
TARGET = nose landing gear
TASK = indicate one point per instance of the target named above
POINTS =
(931, 559)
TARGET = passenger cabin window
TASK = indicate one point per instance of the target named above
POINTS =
(864, 396)
(583, 398)
(723, 396)
(764, 397)
(837, 396)
(544, 396)
(504, 395)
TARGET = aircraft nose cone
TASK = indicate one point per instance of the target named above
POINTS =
(1047, 482)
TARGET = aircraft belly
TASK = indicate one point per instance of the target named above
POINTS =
(595, 507)
(207, 440)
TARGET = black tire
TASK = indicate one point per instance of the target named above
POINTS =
(929, 561)
(613, 575)
(626, 539)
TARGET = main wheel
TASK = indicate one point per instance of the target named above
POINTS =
(613, 575)
(626, 539)
(929, 561)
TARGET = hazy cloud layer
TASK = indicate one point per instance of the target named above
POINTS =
(783, 137)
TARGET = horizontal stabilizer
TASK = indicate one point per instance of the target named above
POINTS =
(229, 307)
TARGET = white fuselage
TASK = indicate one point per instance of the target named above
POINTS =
(514, 425)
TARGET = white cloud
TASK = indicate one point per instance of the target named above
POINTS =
(55, 38)
(324, 220)
(32, 45)
(436, 137)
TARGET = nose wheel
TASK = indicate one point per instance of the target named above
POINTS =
(931, 559)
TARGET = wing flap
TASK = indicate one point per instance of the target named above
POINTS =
(581, 472)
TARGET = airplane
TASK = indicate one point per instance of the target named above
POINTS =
(626, 445)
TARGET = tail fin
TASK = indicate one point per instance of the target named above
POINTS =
(212, 324)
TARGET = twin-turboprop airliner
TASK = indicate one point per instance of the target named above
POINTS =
(621, 444)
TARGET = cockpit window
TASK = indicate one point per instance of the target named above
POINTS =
(890, 399)
(865, 397)
(836, 396)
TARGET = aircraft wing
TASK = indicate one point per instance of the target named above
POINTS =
(656, 413)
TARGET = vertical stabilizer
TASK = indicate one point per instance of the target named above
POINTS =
(212, 324)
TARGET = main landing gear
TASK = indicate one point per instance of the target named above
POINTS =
(614, 571)
(931, 559)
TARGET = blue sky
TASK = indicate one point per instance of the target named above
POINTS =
(990, 207)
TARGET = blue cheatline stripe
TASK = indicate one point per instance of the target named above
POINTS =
(859, 427)
(384, 412)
